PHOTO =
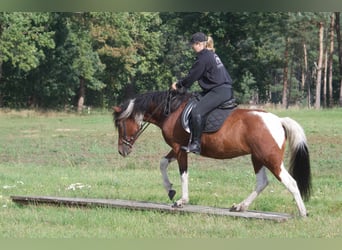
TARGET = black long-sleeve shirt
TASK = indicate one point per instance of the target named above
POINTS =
(208, 70)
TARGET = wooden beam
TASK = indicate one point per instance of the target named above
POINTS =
(142, 205)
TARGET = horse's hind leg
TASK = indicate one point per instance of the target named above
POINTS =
(291, 185)
(261, 183)
(164, 163)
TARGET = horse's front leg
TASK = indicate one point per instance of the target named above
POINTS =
(182, 159)
(164, 163)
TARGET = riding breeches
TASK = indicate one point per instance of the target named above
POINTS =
(212, 99)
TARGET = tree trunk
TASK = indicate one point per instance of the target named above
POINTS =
(325, 68)
(289, 86)
(338, 34)
(305, 74)
(1, 96)
(319, 67)
(1, 62)
(331, 54)
(305, 66)
(285, 73)
(81, 95)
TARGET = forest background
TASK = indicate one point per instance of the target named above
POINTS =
(66, 61)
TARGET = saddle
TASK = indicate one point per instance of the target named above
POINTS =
(214, 119)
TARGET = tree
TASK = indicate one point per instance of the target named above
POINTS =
(130, 46)
(339, 45)
(23, 39)
(58, 60)
(86, 63)
(331, 57)
(319, 67)
(285, 75)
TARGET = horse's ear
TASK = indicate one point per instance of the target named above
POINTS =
(117, 109)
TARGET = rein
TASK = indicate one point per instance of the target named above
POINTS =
(167, 109)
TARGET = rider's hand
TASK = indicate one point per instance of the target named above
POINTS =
(173, 86)
(179, 89)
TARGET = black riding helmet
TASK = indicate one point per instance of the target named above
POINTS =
(198, 37)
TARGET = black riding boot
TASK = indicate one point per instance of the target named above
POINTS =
(196, 133)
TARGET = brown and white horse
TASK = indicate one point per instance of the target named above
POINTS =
(256, 132)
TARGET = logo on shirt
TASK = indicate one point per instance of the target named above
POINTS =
(218, 61)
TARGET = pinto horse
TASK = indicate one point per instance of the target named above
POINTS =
(256, 132)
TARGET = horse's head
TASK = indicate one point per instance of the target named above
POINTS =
(129, 127)
(154, 106)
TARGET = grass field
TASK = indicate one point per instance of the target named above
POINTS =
(57, 154)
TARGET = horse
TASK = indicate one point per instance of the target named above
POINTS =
(256, 132)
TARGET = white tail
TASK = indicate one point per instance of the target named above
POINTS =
(299, 156)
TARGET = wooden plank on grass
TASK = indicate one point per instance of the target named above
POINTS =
(141, 205)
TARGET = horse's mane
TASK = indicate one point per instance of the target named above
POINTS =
(142, 102)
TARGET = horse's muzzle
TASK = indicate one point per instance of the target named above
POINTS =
(124, 150)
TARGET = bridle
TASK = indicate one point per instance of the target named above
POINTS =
(130, 140)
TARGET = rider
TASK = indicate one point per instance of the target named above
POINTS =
(215, 82)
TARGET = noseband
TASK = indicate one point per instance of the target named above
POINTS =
(129, 140)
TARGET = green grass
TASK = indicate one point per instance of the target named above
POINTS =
(44, 154)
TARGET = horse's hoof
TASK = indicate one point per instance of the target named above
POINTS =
(172, 194)
(233, 209)
(238, 208)
(177, 205)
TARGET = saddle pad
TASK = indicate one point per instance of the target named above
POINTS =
(213, 121)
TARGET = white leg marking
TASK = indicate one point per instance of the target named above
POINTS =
(164, 163)
(273, 124)
(291, 185)
(261, 183)
(185, 190)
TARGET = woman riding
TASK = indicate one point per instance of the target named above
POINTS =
(214, 80)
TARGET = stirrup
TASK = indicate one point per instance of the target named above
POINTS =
(193, 148)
